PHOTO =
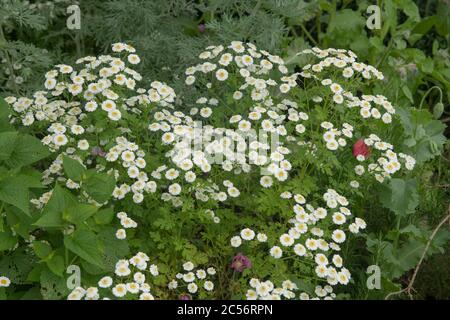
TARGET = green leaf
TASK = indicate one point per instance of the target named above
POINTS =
(99, 185)
(42, 249)
(27, 150)
(408, 93)
(14, 192)
(412, 229)
(400, 196)
(7, 240)
(7, 144)
(427, 132)
(73, 168)
(52, 286)
(56, 264)
(409, 8)
(104, 216)
(4, 116)
(79, 212)
(52, 214)
(84, 244)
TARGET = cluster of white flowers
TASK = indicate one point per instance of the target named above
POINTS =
(247, 234)
(251, 63)
(197, 146)
(388, 161)
(335, 138)
(103, 90)
(131, 158)
(136, 274)
(317, 234)
(370, 106)
(126, 223)
(194, 278)
(324, 293)
(265, 290)
(342, 59)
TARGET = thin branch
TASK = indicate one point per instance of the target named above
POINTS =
(410, 288)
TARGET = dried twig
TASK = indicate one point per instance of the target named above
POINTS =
(410, 288)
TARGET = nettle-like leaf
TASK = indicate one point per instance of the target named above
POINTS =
(84, 244)
(73, 169)
(14, 189)
(25, 150)
(99, 185)
(52, 214)
(7, 240)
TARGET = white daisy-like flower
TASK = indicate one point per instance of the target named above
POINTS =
(247, 234)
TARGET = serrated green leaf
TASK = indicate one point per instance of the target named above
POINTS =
(99, 185)
(27, 150)
(7, 144)
(7, 240)
(84, 244)
(73, 169)
(104, 216)
(52, 213)
(79, 212)
(56, 264)
(42, 249)
(15, 193)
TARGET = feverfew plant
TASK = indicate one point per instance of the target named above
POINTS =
(245, 178)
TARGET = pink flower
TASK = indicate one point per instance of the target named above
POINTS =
(360, 148)
(201, 28)
(241, 262)
(185, 296)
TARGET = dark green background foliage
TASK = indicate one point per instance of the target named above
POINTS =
(411, 49)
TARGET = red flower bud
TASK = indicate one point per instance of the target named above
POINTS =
(360, 148)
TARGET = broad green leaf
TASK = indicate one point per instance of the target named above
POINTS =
(42, 249)
(7, 144)
(104, 216)
(401, 196)
(14, 190)
(73, 168)
(84, 244)
(7, 240)
(35, 274)
(79, 212)
(27, 150)
(56, 264)
(53, 287)
(427, 133)
(114, 248)
(99, 185)
(52, 214)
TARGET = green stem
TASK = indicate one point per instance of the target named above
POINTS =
(428, 92)
(308, 35)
